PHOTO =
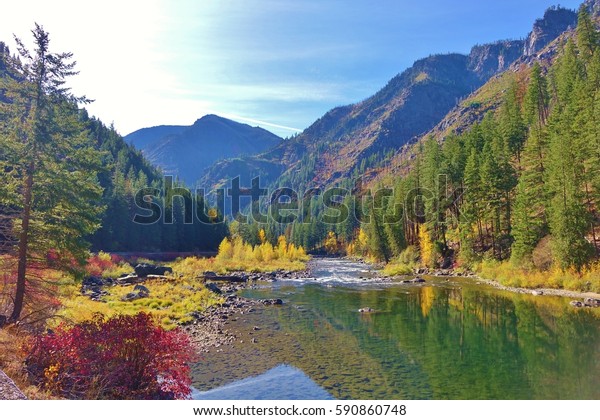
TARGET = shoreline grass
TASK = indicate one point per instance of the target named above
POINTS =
(507, 274)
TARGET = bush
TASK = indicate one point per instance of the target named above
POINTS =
(409, 256)
(124, 357)
(397, 269)
(106, 265)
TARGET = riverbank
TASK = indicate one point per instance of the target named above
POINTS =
(537, 291)
(211, 329)
(431, 340)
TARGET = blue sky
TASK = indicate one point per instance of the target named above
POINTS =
(280, 64)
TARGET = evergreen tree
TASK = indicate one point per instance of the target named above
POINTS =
(433, 187)
(512, 126)
(569, 220)
(471, 208)
(47, 165)
(587, 36)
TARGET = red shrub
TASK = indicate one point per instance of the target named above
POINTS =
(96, 264)
(124, 357)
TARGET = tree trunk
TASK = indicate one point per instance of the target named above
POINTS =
(23, 248)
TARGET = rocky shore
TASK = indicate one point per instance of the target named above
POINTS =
(588, 299)
(211, 329)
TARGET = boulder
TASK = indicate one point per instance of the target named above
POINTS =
(591, 302)
(143, 270)
(130, 296)
(93, 281)
(213, 288)
(271, 302)
(141, 290)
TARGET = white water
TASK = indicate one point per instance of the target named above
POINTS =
(332, 271)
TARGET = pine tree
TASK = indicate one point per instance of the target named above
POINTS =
(569, 220)
(528, 226)
(48, 166)
(535, 102)
(471, 208)
(587, 36)
(433, 189)
(491, 179)
(512, 127)
(377, 243)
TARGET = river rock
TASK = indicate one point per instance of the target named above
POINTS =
(213, 288)
(143, 270)
(413, 281)
(271, 301)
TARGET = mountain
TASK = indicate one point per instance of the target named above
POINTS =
(145, 137)
(351, 138)
(556, 20)
(186, 151)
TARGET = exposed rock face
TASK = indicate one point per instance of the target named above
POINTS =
(593, 6)
(490, 59)
(556, 20)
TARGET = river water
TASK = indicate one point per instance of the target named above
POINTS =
(443, 339)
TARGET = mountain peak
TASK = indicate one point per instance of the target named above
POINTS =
(209, 118)
(186, 151)
(556, 20)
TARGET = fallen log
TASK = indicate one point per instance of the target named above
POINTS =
(209, 275)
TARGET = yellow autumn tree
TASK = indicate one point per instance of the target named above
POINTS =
(331, 243)
(262, 236)
(267, 252)
(359, 245)
(281, 247)
(225, 250)
(426, 247)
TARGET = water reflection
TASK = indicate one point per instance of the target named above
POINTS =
(445, 340)
(282, 382)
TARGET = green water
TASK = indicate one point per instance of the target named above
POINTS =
(446, 339)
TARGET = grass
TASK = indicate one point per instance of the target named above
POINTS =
(12, 356)
(509, 275)
(192, 266)
(174, 301)
(171, 301)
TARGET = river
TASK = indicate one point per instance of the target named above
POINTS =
(443, 339)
